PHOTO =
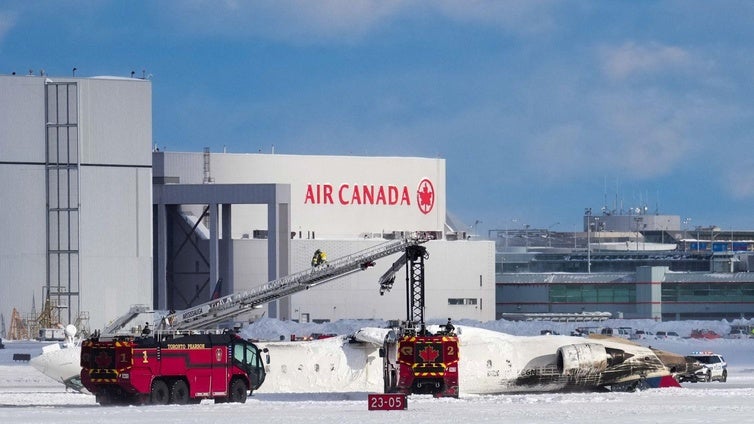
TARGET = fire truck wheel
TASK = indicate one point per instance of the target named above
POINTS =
(160, 394)
(238, 391)
(103, 398)
(179, 392)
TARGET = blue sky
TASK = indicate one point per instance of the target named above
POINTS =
(541, 108)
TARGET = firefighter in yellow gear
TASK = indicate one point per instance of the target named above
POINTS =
(319, 258)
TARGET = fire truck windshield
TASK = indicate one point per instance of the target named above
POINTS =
(246, 356)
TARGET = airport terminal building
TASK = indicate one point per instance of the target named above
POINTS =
(98, 220)
(639, 265)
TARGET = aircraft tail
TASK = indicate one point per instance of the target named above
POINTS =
(217, 293)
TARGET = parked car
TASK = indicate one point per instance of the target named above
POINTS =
(667, 335)
(624, 332)
(320, 336)
(585, 331)
(740, 332)
(704, 334)
(714, 368)
(642, 334)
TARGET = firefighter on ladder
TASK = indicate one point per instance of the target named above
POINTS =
(319, 258)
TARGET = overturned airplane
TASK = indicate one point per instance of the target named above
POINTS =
(371, 360)
(490, 363)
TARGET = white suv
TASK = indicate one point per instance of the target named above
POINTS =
(714, 367)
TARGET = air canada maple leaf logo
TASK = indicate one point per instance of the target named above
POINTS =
(429, 354)
(425, 196)
(103, 360)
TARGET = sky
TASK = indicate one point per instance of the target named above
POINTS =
(541, 109)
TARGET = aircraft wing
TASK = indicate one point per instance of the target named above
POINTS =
(62, 364)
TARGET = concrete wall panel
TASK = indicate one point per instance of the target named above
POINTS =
(22, 119)
(116, 121)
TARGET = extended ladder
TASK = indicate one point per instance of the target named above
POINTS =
(227, 307)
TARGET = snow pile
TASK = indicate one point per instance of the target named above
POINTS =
(274, 330)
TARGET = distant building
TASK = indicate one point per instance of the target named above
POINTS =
(659, 272)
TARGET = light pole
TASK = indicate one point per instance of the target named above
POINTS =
(686, 222)
(637, 219)
(596, 225)
(514, 220)
(731, 238)
(549, 240)
(476, 223)
(588, 213)
(698, 241)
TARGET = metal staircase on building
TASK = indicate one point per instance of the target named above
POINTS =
(62, 191)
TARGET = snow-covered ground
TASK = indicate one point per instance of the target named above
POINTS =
(27, 396)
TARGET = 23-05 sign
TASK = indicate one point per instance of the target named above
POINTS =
(387, 401)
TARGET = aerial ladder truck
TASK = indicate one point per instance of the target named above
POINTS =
(225, 308)
(181, 360)
(416, 360)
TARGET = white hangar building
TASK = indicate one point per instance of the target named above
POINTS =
(339, 204)
(76, 172)
(97, 221)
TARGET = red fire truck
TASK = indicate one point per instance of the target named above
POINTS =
(414, 359)
(179, 369)
(428, 364)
